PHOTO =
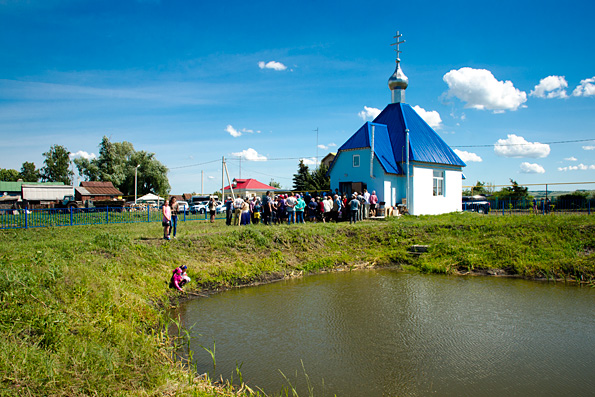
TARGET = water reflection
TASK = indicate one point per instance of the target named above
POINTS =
(384, 333)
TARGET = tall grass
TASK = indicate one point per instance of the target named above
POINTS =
(83, 309)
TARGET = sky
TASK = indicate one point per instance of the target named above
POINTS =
(509, 85)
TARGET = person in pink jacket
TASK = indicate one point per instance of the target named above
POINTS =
(166, 221)
(373, 202)
(179, 278)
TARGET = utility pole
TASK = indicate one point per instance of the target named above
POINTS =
(202, 181)
(316, 147)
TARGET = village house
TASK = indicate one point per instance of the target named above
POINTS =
(401, 157)
(247, 188)
(97, 191)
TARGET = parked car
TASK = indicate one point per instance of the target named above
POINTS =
(199, 207)
(477, 204)
(183, 207)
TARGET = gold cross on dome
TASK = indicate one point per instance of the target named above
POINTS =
(396, 43)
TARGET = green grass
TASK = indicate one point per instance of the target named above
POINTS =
(83, 309)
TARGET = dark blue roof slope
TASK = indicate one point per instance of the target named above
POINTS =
(425, 144)
(382, 145)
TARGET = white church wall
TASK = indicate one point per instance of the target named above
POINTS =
(424, 202)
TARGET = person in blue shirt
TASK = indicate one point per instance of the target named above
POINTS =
(354, 207)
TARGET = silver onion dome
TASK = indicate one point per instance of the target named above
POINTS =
(398, 79)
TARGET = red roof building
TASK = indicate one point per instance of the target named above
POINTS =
(247, 188)
(97, 191)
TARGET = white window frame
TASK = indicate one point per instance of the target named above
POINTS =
(438, 183)
(356, 156)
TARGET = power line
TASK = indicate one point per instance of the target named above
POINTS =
(526, 144)
(239, 158)
(194, 165)
(272, 176)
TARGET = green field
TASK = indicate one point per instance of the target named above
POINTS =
(83, 308)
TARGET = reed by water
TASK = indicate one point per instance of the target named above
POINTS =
(83, 309)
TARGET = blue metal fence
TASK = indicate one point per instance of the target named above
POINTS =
(32, 218)
(557, 206)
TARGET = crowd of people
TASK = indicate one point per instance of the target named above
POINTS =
(292, 208)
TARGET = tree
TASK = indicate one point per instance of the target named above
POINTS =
(514, 192)
(319, 180)
(29, 173)
(57, 162)
(8, 175)
(480, 188)
(273, 183)
(117, 163)
(305, 180)
(301, 180)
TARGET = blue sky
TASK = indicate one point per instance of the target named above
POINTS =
(193, 81)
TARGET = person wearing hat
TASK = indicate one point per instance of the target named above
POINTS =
(354, 208)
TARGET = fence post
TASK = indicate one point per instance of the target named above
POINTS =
(106, 214)
(70, 215)
(148, 214)
(27, 217)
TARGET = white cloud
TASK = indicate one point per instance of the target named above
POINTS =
(250, 155)
(586, 88)
(580, 167)
(369, 113)
(272, 65)
(517, 146)
(480, 89)
(332, 144)
(210, 177)
(551, 87)
(431, 117)
(468, 157)
(236, 133)
(571, 158)
(83, 154)
(529, 168)
(323, 147)
(232, 131)
(588, 147)
(309, 161)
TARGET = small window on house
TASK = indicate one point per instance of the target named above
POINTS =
(356, 160)
(438, 183)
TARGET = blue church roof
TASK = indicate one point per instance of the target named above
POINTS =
(425, 145)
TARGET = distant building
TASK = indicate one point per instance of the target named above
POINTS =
(328, 159)
(247, 188)
(182, 197)
(14, 188)
(401, 157)
(97, 191)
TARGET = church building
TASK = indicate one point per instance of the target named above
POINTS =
(401, 157)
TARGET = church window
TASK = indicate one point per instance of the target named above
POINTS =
(438, 183)
(356, 160)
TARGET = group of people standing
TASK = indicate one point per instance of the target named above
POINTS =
(283, 208)
(294, 208)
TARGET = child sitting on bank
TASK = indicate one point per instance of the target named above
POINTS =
(179, 278)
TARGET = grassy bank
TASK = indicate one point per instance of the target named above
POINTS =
(82, 308)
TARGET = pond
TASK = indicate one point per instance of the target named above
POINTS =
(390, 333)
